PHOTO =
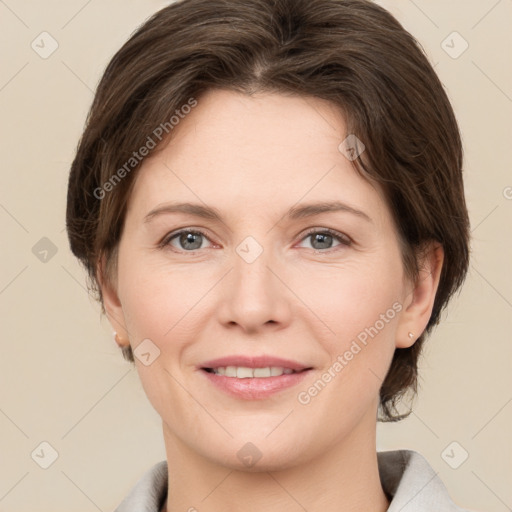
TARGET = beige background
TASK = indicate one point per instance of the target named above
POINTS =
(63, 380)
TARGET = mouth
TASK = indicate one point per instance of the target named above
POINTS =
(253, 378)
(245, 372)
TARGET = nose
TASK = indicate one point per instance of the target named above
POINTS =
(254, 295)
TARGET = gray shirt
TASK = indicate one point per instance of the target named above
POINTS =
(406, 477)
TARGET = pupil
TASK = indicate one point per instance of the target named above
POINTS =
(324, 239)
(189, 238)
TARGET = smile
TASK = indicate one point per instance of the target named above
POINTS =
(244, 372)
(253, 377)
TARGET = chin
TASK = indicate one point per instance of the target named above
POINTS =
(268, 461)
(258, 454)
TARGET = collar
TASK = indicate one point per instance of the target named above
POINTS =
(406, 477)
(413, 485)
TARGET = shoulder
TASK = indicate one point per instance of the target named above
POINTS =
(412, 483)
(149, 493)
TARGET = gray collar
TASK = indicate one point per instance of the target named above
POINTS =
(406, 477)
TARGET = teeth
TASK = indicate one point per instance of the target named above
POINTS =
(229, 371)
(242, 372)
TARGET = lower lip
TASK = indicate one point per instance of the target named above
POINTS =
(256, 388)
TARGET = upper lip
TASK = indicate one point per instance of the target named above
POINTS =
(254, 362)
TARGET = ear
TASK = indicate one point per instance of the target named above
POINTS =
(112, 304)
(418, 304)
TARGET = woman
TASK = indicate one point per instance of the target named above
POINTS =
(268, 199)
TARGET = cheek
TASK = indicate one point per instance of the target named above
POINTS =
(351, 300)
(361, 305)
(362, 309)
(158, 301)
(163, 305)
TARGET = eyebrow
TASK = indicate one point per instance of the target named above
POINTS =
(294, 213)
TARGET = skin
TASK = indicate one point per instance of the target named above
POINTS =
(253, 158)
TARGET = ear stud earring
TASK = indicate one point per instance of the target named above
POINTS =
(118, 339)
(411, 335)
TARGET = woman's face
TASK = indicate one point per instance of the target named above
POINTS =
(248, 279)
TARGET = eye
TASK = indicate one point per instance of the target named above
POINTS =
(188, 240)
(323, 238)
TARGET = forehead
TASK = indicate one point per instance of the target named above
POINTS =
(235, 150)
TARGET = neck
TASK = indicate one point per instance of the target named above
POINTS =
(344, 479)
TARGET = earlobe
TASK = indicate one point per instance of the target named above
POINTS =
(420, 301)
(112, 305)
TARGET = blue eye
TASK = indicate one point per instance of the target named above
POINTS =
(190, 240)
(323, 238)
(187, 239)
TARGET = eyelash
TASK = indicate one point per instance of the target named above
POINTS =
(343, 239)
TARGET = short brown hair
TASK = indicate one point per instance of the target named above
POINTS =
(352, 53)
